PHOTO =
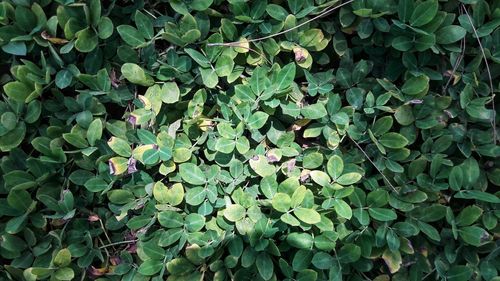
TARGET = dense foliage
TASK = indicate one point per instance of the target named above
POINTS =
(249, 140)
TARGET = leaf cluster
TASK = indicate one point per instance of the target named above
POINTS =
(249, 140)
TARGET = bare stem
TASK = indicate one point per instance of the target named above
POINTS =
(104, 229)
(456, 65)
(83, 275)
(105, 250)
(323, 13)
(493, 118)
(255, 51)
(368, 158)
(118, 243)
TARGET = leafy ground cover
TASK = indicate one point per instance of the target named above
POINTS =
(249, 140)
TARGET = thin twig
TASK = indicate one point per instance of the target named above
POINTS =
(323, 13)
(255, 51)
(105, 250)
(118, 243)
(145, 10)
(457, 64)
(104, 230)
(429, 274)
(493, 118)
(368, 158)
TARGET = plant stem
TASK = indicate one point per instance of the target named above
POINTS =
(118, 243)
(493, 117)
(323, 13)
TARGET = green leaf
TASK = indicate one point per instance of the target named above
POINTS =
(459, 273)
(194, 222)
(170, 93)
(63, 78)
(179, 266)
(302, 259)
(300, 240)
(269, 186)
(424, 13)
(260, 165)
(349, 253)
(19, 199)
(62, 258)
(224, 65)
(285, 77)
(95, 11)
(264, 265)
(312, 160)
(105, 28)
(393, 140)
(416, 85)
(164, 195)
(8, 120)
(429, 230)
(469, 215)
(393, 260)
(242, 145)
(349, 178)
(405, 9)
(144, 26)
(33, 111)
(65, 273)
(198, 57)
(192, 174)
(382, 125)
(201, 5)
(430, 213)
(404, 115)
(455, 178)
(96, 185)
(146, 137)
(195, 196)
(131, 35)
(320, 178)
(382, 214)
(298, 196)
(313, 111)
(150, 267)
(281, 202)
(120, 146)
(478, 195)
(322, 260)
(209, 77)
(470, 170)
(170, 219)
(120, 196)
(135, 74)
(306, 215)
(289, 219)
(15, 48)
(450, 34)
(170, 236)
(257, 120)
(17, 90)
(277, 12)
(402, 43)
(335, 166)
(234, 212)
(225, 145)
(86, 41)
(342, 209)
(76, 140)
(474, 235)
(226, 131)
